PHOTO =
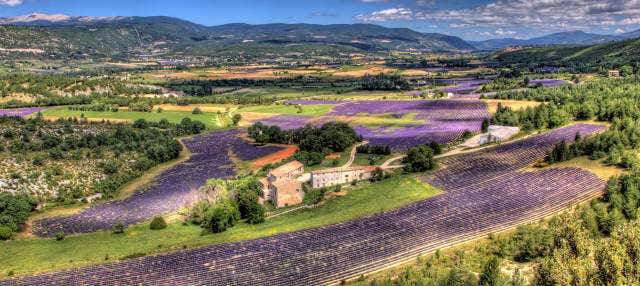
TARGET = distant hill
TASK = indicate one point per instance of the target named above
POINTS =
(573, 38)
(61, 35)
(611, 54)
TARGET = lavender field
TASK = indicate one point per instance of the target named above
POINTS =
(441, 121)
(20, 112)
(171, 190)
(484, 192)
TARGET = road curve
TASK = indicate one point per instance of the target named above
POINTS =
(501, 198)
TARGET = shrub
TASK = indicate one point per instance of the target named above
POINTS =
(158, 223)
(5, 233)
(118, 228)
(197, 110)
(60, 236)
(223, 215)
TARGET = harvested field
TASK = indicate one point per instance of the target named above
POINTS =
(492, 104)
(277, 157)
(203, 107)
(485, 193)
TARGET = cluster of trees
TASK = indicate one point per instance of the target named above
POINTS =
(421, 158)
(240, 200)
(314, 142)
(384, 82)
(14, 210)
(540, 117)
(374, 150)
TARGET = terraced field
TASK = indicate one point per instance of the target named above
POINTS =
(485, 192)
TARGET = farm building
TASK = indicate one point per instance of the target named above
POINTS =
(281, 186)
(495, 134)
(337, 176)
(614, 73)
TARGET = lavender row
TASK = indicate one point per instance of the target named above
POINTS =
(171, 190)
(20, 112)
(328, 254)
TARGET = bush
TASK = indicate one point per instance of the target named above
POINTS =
(158, 223)
(5, 233)
(223, 215)
(118, 228)
(60, 236)
(196, 110)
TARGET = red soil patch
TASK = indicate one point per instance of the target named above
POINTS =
(275, 157)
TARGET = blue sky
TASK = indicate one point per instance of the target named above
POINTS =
(472, 19)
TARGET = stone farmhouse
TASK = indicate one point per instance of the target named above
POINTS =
(338, 176)
(282, 187)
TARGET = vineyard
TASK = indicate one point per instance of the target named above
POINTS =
(173, 189)
(484, 192)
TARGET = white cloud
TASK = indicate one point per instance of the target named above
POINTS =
(619, 31)
(392, 14)
(11, 2)
(550, 14)
(501, 32)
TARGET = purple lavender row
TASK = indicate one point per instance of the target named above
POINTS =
(20, 112)
(329, 254)
(173, 189)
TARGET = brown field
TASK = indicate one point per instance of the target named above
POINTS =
(275, 157)
(415, 72)
(492, 104)
(372, 70)
(248, 118)
(469, 71)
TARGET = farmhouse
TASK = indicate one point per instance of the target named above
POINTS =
(337, 176)
(281, 186)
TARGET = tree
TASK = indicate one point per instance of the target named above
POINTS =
(626, 71)
(249, 206)
(236, 119)
(419, 159)
(485, 125)
(223, 215)
(491, 275)
(196, 110)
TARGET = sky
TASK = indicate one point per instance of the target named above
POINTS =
(470, 19)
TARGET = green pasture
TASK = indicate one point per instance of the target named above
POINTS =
(27, 256)
(289, 109)
(210, 119)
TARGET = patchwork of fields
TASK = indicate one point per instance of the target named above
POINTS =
(484, 192)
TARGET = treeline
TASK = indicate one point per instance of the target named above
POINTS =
(384, 82)
(374, 150)
(314, 142)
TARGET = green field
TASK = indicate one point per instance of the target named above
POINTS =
(39, 255)
(289, 109)
(211, 120)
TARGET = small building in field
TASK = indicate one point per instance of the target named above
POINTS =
(614, 73)
(282, 187)
(338, 176)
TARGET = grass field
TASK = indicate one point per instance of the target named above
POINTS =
(39, 255)
(289, 109)
(210, 119)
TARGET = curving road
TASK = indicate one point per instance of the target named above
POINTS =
(485, 192)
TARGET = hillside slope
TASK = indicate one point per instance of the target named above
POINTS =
(612, 54)
(65, 36)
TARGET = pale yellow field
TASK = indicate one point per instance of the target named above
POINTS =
(203, 107)
(492, 104)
